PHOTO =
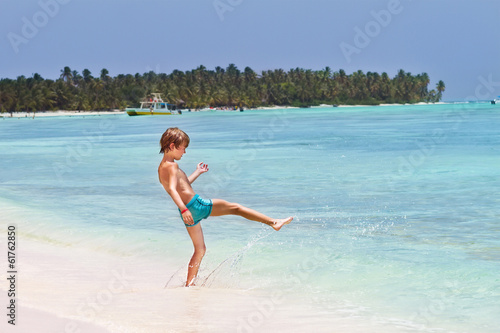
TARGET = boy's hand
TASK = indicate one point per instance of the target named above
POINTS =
(187, 217)
(202, 167)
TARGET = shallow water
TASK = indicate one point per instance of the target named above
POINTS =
(396, 208)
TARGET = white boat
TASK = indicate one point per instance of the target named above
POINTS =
(153, 106)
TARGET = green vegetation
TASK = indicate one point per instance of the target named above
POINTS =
(220, 87)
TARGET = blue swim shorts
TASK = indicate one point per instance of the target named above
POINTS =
(200, 209)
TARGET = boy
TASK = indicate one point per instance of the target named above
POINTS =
(191, 206)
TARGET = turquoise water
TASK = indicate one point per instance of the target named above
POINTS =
(396, 208)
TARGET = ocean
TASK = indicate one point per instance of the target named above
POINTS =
(396, 228)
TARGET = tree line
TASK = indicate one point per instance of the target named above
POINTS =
(220, 87)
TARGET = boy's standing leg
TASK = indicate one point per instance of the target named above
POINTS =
(196, 234)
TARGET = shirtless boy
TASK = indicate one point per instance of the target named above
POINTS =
(192, 207)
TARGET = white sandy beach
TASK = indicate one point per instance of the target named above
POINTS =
(66, 289)
(60, 113)
(71, 283)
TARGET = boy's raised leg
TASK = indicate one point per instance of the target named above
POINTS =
(222, 207)
(196, 234)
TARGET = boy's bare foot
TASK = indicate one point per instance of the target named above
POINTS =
(190, 283)
(277, 224)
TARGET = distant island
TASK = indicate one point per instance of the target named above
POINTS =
(201, 88)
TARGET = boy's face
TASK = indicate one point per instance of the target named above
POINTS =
(178, 152)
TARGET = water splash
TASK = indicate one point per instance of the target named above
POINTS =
(234, 260)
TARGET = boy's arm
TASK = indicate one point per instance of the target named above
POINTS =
(200, 168)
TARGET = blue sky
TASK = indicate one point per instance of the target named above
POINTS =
(455, 41)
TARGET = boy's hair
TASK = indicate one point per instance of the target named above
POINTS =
(175, 136)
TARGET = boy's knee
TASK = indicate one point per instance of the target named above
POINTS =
(236, 207)
(200, 251)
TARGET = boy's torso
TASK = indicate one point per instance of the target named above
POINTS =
(184, 188)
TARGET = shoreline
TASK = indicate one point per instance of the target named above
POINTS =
(70, 289)
(59, 113)
(67, 113)
(76, 286)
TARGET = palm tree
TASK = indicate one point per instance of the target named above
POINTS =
(440, 87)
(66, 75)
(104, 75)
(423, 83)
(219, 87)
(77, 78)
(37, 77)
(7, 95)
(432, 96)
(87, 76)
(232, 70)
(385, 87)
